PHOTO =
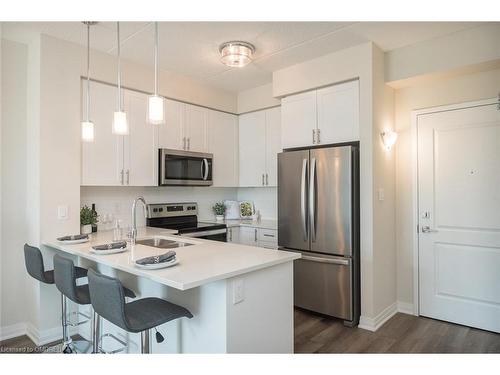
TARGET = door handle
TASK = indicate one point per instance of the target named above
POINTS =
(128, 177)
(312, 200)
(340, 261)
(303, 198)
(428, 229)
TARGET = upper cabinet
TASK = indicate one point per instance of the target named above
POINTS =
(324, 116)
(195, 128)
(223, 144)
(170, 135)
(259, 145)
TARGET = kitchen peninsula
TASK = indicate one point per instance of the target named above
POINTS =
(241, 296)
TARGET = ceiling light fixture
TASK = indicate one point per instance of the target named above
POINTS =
(86, 124)
(120, 124)
(236, 53)
(155, 102)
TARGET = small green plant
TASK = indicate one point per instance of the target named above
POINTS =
(87, 216)
(219, 208)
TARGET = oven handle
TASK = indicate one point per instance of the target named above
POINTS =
(204, 233)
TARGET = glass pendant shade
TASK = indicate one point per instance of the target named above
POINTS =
(87, 131)
(120, 124)
(156, 112)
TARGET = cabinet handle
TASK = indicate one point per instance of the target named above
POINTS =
(184, 143)
(128, 177)
(267, 180)
(230, 235)
(262, 179)
(314, 136)
(255, 235)
(121, 177)
(189, 143)
(318, 133)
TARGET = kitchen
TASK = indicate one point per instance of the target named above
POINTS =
(286, 185)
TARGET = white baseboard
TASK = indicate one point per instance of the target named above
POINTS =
(14, 330)
(405, 308)
(44, 337)
(372, 324)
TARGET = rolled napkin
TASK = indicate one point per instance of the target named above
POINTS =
(111, 246)
(167, 257)
(74, 237)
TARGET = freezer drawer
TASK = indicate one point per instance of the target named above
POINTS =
(324, 284)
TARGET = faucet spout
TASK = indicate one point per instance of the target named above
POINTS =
(134, 220)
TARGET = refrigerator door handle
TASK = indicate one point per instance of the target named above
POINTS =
(340, 261)
(303, 198)
(312, 200)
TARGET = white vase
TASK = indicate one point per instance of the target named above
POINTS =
(86, 229)
(219, 217)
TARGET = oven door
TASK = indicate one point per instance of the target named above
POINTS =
(184, 168)
(214, 235)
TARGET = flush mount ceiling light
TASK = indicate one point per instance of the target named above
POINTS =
(236, 53)
(389, 138)
(120, 124)
(87, 125)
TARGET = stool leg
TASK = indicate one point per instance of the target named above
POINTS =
(66, 338)
(146, 341)
(96, 332)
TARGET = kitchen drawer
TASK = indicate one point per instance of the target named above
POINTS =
(268, 235)
(273, 245)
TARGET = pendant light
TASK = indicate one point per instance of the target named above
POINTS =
(156, 102)
(120, 124)
(86, 124)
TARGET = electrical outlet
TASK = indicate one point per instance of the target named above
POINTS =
(62, 212)
(238, 291)
(381, 194)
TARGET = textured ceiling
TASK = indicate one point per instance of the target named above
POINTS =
(191, 48)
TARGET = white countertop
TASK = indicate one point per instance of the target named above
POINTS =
(263, 224)
(199, 264)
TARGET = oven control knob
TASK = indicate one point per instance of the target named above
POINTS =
(160, 209)
(155, 210)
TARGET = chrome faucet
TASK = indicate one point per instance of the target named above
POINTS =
(133, 236)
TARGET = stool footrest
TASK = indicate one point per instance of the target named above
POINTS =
(119, 350)
(77, 323)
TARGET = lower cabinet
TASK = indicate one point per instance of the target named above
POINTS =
(267, 238)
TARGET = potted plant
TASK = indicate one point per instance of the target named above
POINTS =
(88, 217)
(219, 210)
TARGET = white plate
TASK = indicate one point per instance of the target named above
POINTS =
(74, 242)
(107, 252)
(157, 266)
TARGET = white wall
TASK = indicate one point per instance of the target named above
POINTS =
(471, 87)
(265, 200)
(257, 98)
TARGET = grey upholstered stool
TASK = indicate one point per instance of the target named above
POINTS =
(65, 279)
(34, 265)
(108, 299)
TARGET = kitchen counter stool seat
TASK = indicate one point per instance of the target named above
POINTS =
(108, 299)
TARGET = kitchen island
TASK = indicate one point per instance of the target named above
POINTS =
(241, 296)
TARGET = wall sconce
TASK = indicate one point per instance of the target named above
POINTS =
(389, 138)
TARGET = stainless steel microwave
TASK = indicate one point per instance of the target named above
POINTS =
(184, 168)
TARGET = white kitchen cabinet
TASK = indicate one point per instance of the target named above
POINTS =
(325, 116)
(139, 152)
(338, 113)
(260, 237)
(260, 143)
(252, 149)
(223, 144)
(298, 120)
(248, 236)
(233, 234)
(195, 128)
(170, 134)
(101, 160)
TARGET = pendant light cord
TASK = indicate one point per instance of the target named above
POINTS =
(119, 69)
(88, 73)
(156, 58)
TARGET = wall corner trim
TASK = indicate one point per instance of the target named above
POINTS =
(372, 324)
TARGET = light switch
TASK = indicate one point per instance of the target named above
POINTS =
(238, 291)
(381, 194)
(62, 212)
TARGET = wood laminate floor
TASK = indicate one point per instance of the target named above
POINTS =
(401, 334)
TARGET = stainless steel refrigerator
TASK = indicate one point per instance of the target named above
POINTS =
(318, 215)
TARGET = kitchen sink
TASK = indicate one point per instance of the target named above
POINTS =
(161, 243)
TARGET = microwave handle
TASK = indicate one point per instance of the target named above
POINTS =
(204, 174)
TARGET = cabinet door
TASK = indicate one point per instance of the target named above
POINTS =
(140, 151)
(273, 144)
(233, 234)
(223, 144)
(298, 120)
(252, 141)
(338, 113)
(195, 128)
(170, 134)
(102, 160)
(248, 236)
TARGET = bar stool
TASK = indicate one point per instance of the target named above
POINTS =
(33, 260)
(65, 275)
(108, 299)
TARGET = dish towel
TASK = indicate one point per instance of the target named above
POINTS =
(74, 237)
(167, 257)
(111, 246)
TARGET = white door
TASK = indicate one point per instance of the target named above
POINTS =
(252, 143)
(140, 151)
(273, 144)
(102, 160)
(170, 134)
(223, 144)
(195, 128)
(338, 113)
(459, 216)
(298, 120)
